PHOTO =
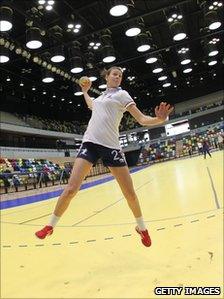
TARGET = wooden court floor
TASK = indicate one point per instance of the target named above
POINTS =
(95, 252)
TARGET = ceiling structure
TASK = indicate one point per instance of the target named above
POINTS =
(21, 85)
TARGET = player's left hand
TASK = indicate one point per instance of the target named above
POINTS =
(163, 111)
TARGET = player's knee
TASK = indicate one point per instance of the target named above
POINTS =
(71, 190)
(131, 196)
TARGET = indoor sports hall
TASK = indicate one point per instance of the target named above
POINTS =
(95, 252)
(78, 78)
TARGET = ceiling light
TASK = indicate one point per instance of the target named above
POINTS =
(214, 40)
(177, 29)
(143, 48)
(185, 61)
(58, 54)
(187, 70)
(157, 70)
(183, 50)
(5, 18)
(212, 49)
(76, 65)
(92, 78)
(47, 77)
(102, 86)
(174, 17)
(41, 2)
(78, 93)
(108, 54)
(134, 27)
(212, 21)
(8, 79)
(4, 55)
(70, 26)
(167, 84)
(33, 38)
(179, 36)
(132, 31)
(212, 62)
(49, 7)
(213, 53)
(131, 78)
(118, 10)
(215, 25)
(162, 78)
(109, 59)
(143, 42)
(151, 60)
(50, 2)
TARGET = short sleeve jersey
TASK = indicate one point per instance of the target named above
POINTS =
(107, 112)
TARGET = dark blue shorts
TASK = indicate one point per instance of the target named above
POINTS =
(93, 152)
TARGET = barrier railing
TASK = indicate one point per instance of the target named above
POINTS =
(15, 181)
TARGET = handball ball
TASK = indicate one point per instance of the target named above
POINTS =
(84, 80)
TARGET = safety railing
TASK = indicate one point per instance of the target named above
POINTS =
(16, 182)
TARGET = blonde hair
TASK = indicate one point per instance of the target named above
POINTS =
(106, 72)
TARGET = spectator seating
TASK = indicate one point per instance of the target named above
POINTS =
(127, 123)
(23, 174)
(167, 149)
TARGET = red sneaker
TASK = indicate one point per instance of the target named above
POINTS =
(44, 232)
(145, 236)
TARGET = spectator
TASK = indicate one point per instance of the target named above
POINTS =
(205, 147)
(220, 141)
(200, 147)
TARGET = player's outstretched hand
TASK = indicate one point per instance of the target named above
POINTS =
(163, 111)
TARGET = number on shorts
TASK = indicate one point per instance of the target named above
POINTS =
(115, 153)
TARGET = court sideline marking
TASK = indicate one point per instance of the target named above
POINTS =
(213, 189)
(104, 239)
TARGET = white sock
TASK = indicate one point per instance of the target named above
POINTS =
(141, 223)
(53, 220)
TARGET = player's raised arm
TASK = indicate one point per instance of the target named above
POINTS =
(161, 112)
(85, 84)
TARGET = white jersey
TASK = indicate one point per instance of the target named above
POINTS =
(107, 112)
